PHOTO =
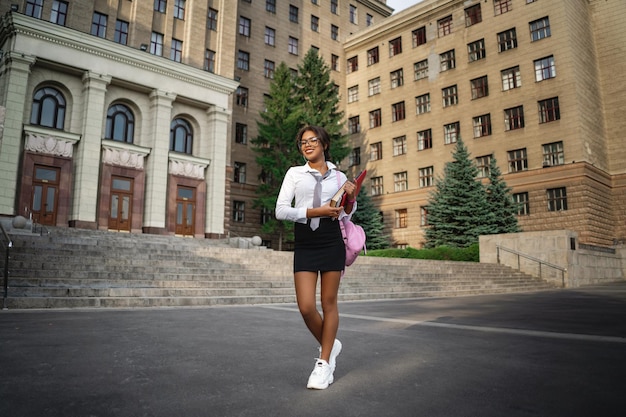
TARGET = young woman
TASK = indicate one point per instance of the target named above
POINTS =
(319, 247)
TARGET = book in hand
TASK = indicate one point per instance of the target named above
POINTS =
(339, 199)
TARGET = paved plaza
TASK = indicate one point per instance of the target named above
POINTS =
(549, 353)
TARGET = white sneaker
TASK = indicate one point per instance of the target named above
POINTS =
(332, 361)
(322, 375)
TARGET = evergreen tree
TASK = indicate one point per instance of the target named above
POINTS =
(319, 98)
(500, 201)
(276, 148)
(458, 212)
(368, 217)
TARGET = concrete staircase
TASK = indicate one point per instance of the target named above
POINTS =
(72, 268)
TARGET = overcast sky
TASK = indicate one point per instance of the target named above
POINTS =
(399, 5)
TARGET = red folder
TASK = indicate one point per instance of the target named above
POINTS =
(339, 199)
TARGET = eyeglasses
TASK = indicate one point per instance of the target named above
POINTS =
(311, 141)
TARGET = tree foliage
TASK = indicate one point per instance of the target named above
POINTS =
(500, 202)
(368, 216)
(458, 210)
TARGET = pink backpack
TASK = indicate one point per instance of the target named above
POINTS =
(353, 237)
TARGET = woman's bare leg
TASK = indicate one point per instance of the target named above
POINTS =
(306, 283)
(330, 323)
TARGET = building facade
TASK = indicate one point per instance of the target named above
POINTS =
(537, 85)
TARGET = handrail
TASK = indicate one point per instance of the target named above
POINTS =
(532, 258)
(7, 246)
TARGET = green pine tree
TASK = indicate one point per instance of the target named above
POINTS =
(458, 211)
(275, 147)
(368, 217)
(501, 202)
(319, 98)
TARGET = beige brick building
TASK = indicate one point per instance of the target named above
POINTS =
(137, 115)
(536, 84)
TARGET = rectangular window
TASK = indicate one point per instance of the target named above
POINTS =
(354, 125)
(334, 62)
(521, 200)
(427, 177)
(399, 145)
(99, 25)
(241, 133)
(209, 60)
(397, 78)
(179, 9)
(553, 154)
(353, 64)
(423, 215)
(239, 210)
(482, 163)
(376, 151)
(270, 36)
(375, 118)
(502, 6)
(424, 139)
(240, 172)
(447, 61)
(373, 86)
(377, 186)
(451, 132)
(372, 56)
(473, 15)
(514, 118)
(422, 104)
(421, 69)
(34, 8)
(444, 26)
(544, 68)
(479, 87)
(334, 6)
(211, 20)
(293, 14)
(242, 96)
(419, 36)
(293, 46)
(58, 14)
(244, 26)
(270, 6)
(401, 219)
(395, 46)
(369, 19)
(507, 40)
(449, 96)
(400, 182)
(156, 44)
(482, 125)
(354, 158)
(518, 160)
(476, 50)
(121, 32)
(160, 6)
(511, 78)
(176, 50)
(243, 60)
(397, 112)
(334, 32)
(539, 29)
(267, 214)
(353, 94)
(269, 68)
(549, 110)
(354, 18)
(557, 199)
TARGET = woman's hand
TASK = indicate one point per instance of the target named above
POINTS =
(350, 188)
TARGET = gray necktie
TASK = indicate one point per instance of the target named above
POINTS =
(317, 200)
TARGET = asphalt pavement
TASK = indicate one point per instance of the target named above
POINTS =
(549, 353)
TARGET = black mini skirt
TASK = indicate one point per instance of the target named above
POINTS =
(320, 250)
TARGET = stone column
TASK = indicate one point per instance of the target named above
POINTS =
(215, 148)
(87, 155)
(15, 73)
(158, 122)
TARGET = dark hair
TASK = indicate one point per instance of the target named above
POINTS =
(321, 133)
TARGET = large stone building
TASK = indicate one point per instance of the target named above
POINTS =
(539, 85)
(137, 115)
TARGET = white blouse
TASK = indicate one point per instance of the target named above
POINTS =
(300, 184)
